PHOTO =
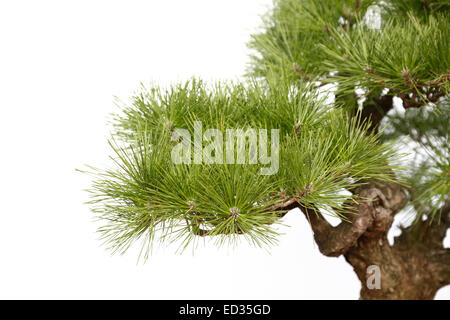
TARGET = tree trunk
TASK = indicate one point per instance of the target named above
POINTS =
(406, 273)
(416, 266)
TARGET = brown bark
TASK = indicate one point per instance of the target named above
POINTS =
(377, 110)
(411, 268)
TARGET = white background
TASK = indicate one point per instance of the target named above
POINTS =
(61, 62)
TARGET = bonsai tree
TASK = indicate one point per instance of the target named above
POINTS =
(228, 160)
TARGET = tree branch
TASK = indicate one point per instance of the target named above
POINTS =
(373, 216)
(334, 241)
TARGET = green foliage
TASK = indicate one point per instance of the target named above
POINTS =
(322, 152)
(294, 33)
(376, 59)
(333, 41)
(422, 8)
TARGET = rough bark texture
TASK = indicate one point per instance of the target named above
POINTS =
(414, 267)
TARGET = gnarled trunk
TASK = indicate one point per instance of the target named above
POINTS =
(406, 272)
(414, 267)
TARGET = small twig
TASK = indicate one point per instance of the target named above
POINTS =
(299, 71)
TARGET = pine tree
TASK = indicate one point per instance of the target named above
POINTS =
(388, 66)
